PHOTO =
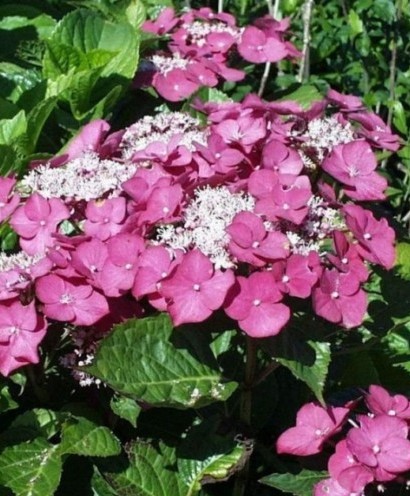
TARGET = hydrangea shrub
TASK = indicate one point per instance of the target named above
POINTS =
(175, 290)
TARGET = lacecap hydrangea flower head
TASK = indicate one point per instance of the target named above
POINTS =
(259, 205)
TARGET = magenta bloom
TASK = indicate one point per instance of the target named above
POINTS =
(381, 443)
(105, 217)
(250, 242)
(331, 487)
(70, 300)
(118, 273)
(345, 102)
(21, 331)
(339, 299)
(347, 257)
(294, 276)
(164, 23)
(288, 200)
(376, 237)
(195, 290)
(281, 159)
(8, 199)
(175, 85)
(314, 425)
(379, 401)
(245, 131)
(154, 265)
(89, 259)
(347, 470)
(36, 221)
(254, 303)
(255, 46)
(354, 164)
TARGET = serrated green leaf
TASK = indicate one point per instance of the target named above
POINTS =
(126, 408)
(9, 161)
(6, 401)
(306, 95)
(11, 129)
(14, 80)
(37, 422)
(403, 260)
(44, 24)
(36, 119)
(135, 13)
(148, 360)
(205, 456)
(32, 468)
(87, 31)
(151, 472)
(79, 436)
(307, 360)
(300, 484)
(356, 24)
(399, 117)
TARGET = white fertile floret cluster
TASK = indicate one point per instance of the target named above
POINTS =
(205, 221)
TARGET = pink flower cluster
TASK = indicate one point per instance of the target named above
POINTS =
(201, 44)
(375, 451)
(238, 215)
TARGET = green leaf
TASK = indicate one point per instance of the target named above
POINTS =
(205, 456)
(148, 360)
(399, 117)
(14, 80)
(31, 468)
(300, 484)
(403, 260)
(135, 13)
(44, 24)
(9, 161)
(81, 437)
(305, 95)
(36, 119)
(11, 129)
(87, 31)
(307, 360)
(151, 472)
(356, 24)
(6, 401)
(126, 408)
(37, 422)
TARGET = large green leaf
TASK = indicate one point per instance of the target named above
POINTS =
(6, 401)
(14, 80)
(11, 129)
(300, 484)
(126, 408)
(206, 456)
(151, 471)
(85, 33)
(148, 360)
(305, 95)
(44, 24)
(32, 468)
(307, 360)
(82, 437)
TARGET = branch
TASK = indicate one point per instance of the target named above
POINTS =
(264, 79)
(307, 18)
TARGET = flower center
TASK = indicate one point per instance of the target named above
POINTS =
(196, 287)
(66, 298)
(335, 295)
(285, 278)
(376, 449)
(257, 302)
